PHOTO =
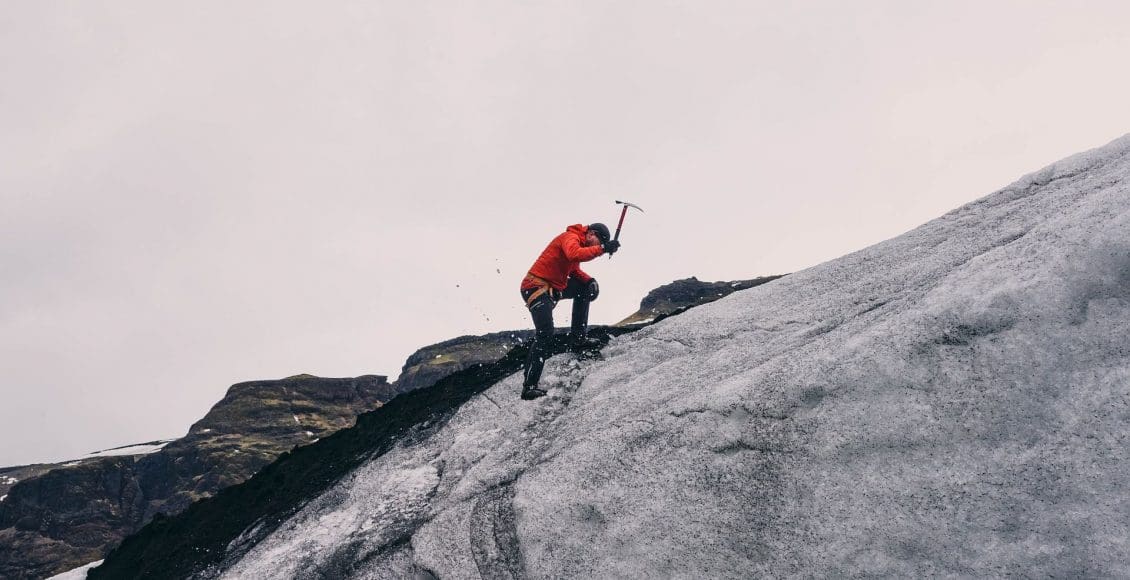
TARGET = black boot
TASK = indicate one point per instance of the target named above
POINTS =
(532, 372)
(585, 346)
(532, 392)
(535, 361)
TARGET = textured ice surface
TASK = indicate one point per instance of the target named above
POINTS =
(954, 401)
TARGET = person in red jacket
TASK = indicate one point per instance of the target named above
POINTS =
(555, 276)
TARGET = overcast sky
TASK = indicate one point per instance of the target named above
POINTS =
(194, 194)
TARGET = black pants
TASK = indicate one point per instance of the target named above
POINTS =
(541, 309)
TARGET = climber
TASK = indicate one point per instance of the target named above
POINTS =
(556, 275)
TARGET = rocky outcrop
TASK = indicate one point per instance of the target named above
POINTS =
(10, 476)
(432, 363)
(686, 293)
(68, 516)
(57, 517)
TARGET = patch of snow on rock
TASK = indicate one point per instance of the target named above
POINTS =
(77, 573)
(139, 449)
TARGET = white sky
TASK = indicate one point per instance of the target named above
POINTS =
(197, 194)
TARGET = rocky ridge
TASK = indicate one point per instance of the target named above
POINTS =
(56, 517)
(687, 293)
(432, 363)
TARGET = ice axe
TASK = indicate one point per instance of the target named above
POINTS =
(623, 214)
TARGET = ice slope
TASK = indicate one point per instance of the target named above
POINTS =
(954, 401)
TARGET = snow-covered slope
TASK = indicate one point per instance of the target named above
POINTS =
(954, 401)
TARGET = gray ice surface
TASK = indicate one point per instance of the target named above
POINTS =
(954, 401)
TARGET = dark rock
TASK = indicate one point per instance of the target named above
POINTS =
(687, 293)
(432, 363)
(58, 517)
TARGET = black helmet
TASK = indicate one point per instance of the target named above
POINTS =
(601, 232)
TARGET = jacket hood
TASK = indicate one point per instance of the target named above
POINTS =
(579, 229)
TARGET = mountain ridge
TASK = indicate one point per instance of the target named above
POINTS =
(57, 517)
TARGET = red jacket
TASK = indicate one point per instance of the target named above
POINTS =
(562, 258)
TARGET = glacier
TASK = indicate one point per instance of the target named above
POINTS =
(951, 401)
(954, 401)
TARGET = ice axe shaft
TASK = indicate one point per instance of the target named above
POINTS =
(623, 214)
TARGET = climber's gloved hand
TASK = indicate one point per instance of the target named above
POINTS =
(593, 290)
(611, 246)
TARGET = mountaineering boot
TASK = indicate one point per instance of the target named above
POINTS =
(535, 361)
(585, 346)
(531, 392)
